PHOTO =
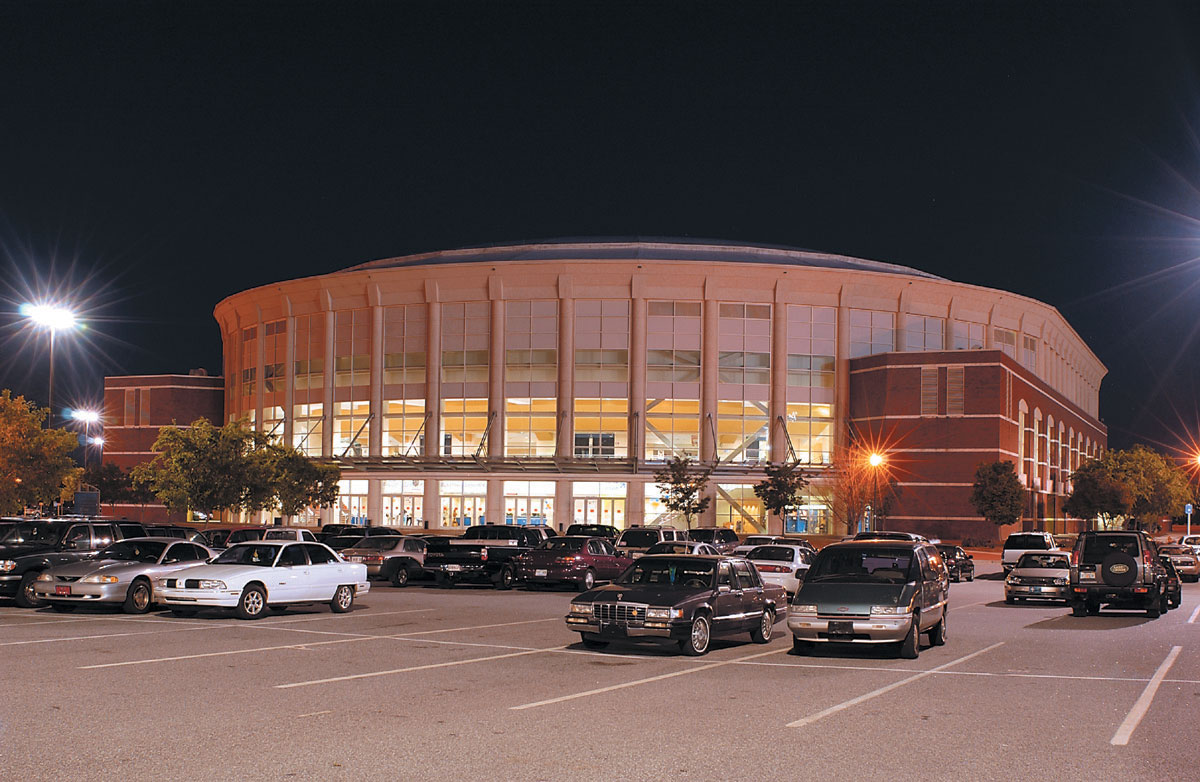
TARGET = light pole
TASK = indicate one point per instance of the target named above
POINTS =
(55, 319)
(88, 417)
(876, 461)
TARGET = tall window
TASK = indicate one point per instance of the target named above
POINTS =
(463, 424)
(463, 503)
(529, 502)
(403, 503)
(743, 382)
(968, 336)
(352, 348)
(352, 502)
(922, 332)
(307, 426)
(466, 329)
(811, 347)
(404, 425)
(601, 379)
(1006, 340)
(929, 391)
(404, 414)
(530, 378)
(871, 332)
(350, 429)
(1029, 350)
(673, 338)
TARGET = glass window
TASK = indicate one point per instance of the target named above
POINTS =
(463, 424)
(1029, 349)
(317, 554)
(404, 424)
(350, 429)
(968, 336)
(403, 503)
(922, 332)
(672, 428)
(1005, 340)
(742, 428)
(291, 556)
(529, 427)
(871, 332)
(601, 428)
(307, 425)
(464, 503)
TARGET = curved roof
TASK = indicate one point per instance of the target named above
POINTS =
(641, 248)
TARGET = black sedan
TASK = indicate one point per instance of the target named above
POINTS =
(959, 563)
(687, 599)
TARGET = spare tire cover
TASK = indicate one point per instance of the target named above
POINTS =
(1119, 569)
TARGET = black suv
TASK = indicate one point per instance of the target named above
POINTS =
(1120, 569)
(29, 547)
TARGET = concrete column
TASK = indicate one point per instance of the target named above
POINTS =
(565, 445)
(494, 513)
(496, 362)
(432, 503)
(375, 427)
(433, 380)
(635, 503)
(637, 379)
(289, 383)
(260, 353)
(708, 379)
(564, 506)
(375, 501)
(327, 397)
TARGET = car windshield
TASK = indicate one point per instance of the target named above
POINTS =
(248, 554)
(133, 551)
(1045, 561)
(669, 547)
(670, 574)
(639, 537)
(772, 553)
(29, 532)
(379, 542)
(562, 544)
(854, 564)
(345, 541)
(1174, 550)
(1025, 541)
(702, 535)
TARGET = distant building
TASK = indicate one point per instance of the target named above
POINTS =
(137, 406)
(546, 382)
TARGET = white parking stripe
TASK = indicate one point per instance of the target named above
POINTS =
(647, 680)
(1192, 619)
(230, 652)
(479, 627)
(414, 668)
(104, 635)
(1142, 705)
(882, 690)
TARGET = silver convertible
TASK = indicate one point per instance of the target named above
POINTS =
(123, 573)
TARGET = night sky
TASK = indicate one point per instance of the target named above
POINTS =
(156, 157)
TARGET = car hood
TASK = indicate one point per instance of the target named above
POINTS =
(835, 598)
(1042, 572)
(89, 566)
(23, 549)
(226, 572)
(637, 593)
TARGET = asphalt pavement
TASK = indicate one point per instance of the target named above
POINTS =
(472, 683)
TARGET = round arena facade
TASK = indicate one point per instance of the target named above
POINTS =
(547, 382)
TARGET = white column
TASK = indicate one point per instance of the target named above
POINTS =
(375, 428)
(565, 426)
(496, 362)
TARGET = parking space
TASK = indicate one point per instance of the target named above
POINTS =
(480, 681)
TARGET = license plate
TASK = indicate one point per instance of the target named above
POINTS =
(453, 568)
(539, 573)
(356, 559)
(1085, 576)
(841, 628)
(62, 590)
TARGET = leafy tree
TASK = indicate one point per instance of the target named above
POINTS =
(682, 482)
(113, 483)
(997, 494)
(1138, 484)
(1095, 493)
(852, 484)
(782, 491)
(35, 463)
(299, 482)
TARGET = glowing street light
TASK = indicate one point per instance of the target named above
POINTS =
(876, 461)
(88, 417)
(55, 319)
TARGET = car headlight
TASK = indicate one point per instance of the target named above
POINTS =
(889, 610)
(211, 584)
(6, 565)
(45, 576)
(664, 613)
(804, 608)
(96, 578)
(1012, 580)
(581, 608)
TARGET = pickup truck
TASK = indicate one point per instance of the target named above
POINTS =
(483, 553)
(29, 547)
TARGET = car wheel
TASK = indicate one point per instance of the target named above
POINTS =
(801, 647)
(184, 612)
(937, 633)
(1093, 609)
(343, 599)
(698, 636)
(1174, 603)
(137, 599)
(1009, 600)
(506, 579)
(766, 628)
(971, 576)
(62, 608)
(26, 597)
(252, 603)
(588, 581)
(400, 576)
(1078, 608)
(910, 647)
(1154, 607)
(592, 642)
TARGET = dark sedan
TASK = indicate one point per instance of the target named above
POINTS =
(574, 559)
(683, 599)
(959, 563)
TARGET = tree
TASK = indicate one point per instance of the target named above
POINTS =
(1097, 494)
(782, 491)
(1138, 484)
(209, 469)
(997, 494)
(852, 484)
(35, 463)
(682, 482)
(113, 483)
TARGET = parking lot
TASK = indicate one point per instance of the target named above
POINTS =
(473, 682)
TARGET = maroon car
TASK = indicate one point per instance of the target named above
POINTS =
(573, 559)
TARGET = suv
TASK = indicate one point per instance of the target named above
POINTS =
(635, 540)
(722, 539)
(1119, 568)
(29, 547)
(1019, 543)
(594, 531)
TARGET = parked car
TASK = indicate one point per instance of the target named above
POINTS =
(782, 565)
(1019, 543)
(1039, 575)
(683, 599)
(1184, 560)
(889, 535)
(27, 548)
(1193, 541)
(722, 539)
(573, 559)
(123, 573)
(216, 537)
(483, 553)
(636, 540)
(245, 534)
(1174, 587)
(594, 531)
(343, 542)
(682, 547)
(1117, 568)
(275, 574)
(959, 563)
(396, 558)
(752, 542)
(872, 591)
(175, 531)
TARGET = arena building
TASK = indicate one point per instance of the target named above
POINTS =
(547, 382)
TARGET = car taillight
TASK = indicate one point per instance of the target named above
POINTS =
(373, 559)
(1147, 560)
(483, 553)
(567, 560)
(1075, 557)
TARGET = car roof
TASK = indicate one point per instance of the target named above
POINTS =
(159, 538)
(877, 543)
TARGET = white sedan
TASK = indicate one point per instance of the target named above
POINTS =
(252, 577)
(782, 565)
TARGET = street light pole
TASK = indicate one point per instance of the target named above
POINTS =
(875, 460)
(53, 318)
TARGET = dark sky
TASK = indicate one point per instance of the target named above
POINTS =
(156, 157)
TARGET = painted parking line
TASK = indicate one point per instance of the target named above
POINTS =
(883, 690)
(229, 652)
(1142, 705)
(648, 680)
(103, 635)
(1192, 619)
(479, 627)
(412, 668)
